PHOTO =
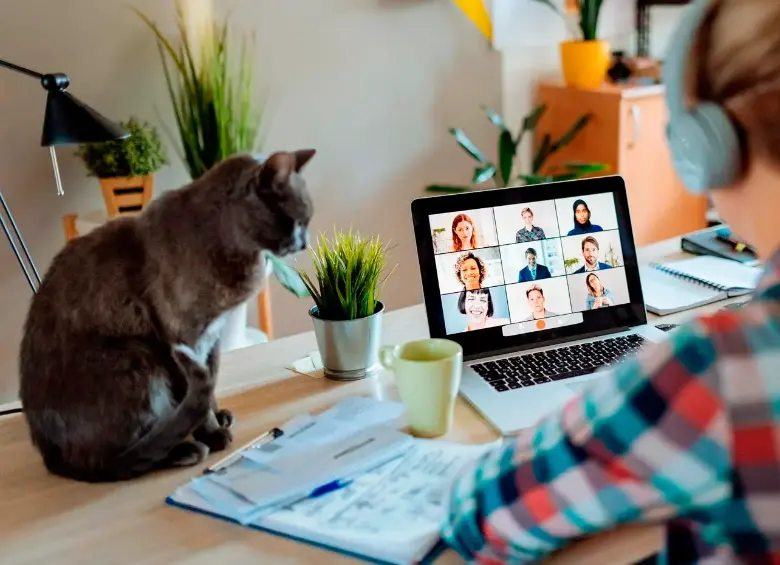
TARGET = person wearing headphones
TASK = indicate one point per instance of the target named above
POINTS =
(686, 433)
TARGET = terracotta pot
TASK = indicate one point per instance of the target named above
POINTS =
(127, 195)
(585, 63)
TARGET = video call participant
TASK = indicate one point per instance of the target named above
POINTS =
(533, 271)
(598, 295)
(536, 300)
(590, 253)
(529, 232)
(582, 219)
(464, 233)
(470, 271)
(685, 436)
(477, 306)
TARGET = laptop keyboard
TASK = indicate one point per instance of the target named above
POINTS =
(557, 364)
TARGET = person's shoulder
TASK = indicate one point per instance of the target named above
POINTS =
(572, 231)
(596, 227)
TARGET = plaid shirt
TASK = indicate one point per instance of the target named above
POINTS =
(687, 433)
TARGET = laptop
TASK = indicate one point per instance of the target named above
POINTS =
(540, 286)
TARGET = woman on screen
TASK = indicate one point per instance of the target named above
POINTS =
(470, 271)
(477, 306)
(598, 295)
(464, 233)
(582, 219)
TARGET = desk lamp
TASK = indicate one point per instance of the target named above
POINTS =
(67, 121)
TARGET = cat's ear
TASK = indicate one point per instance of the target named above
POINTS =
(276, 170)
(303, 156)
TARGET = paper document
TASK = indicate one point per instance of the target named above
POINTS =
(294, 475)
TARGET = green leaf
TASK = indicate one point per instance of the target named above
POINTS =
(573, 131)
(484, 173)
(541, 154)
(467, 145)
(494, 117)
(447, 188)
(287, 276)
(530, 122)
(584, 168)
(506, 156)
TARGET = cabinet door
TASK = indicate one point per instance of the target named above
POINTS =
(660, 206)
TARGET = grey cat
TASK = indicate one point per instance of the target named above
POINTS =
(120, 350)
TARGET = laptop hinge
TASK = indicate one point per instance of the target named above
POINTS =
(552, 342)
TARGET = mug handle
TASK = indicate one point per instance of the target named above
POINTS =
(386, 357)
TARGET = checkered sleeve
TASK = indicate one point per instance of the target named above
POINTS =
(647, 445)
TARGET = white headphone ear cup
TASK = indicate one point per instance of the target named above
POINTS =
(723, 160)
(704, 148)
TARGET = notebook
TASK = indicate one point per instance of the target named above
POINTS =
(688, 283)
(390, 513)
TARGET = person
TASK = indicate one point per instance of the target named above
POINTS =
(529, 232)
(535, 296)
(598, 295)
(685, 433)
(533, 271)
(470, 271)
(590, 254)
(478, 307)
(464, 233)
(582, 222)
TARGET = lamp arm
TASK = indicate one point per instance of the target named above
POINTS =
(49, 81)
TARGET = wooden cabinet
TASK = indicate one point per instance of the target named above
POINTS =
(626, 132)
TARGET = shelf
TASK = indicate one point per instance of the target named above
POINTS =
(643, 22)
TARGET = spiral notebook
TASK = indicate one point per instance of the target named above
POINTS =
(689, 283)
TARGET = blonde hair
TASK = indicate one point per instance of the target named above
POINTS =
(735, 62)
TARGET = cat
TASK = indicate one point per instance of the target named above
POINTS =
(120, 348)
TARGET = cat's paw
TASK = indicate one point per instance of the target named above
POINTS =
(224, 418)
(216, 440)
(187, 454)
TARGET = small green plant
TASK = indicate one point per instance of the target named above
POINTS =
(502, 173)
(140, 154)
(589, 11)
(569, 263)
(350, 273)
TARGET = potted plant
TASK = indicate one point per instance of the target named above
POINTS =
(503, 174)
(585, 59)
(126, 167)
(347, 313)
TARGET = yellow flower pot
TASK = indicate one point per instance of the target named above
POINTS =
(585, 63)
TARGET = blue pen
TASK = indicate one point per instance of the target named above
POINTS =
(329, 487)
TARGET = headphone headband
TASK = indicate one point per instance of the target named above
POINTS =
(678, 55)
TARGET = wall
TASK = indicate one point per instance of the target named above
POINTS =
(372, 84)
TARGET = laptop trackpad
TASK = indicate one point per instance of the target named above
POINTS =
(578, 386)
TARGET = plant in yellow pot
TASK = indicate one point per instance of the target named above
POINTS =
(585, 59)
(126, 167)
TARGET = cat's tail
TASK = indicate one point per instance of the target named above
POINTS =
(151, 450)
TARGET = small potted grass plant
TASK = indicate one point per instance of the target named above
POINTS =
(350, 271)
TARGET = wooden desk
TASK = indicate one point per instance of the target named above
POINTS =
(44, 519)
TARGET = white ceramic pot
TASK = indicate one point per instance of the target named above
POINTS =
(235, 333)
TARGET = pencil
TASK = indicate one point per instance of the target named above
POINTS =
(270, 435)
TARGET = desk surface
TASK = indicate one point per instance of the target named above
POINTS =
(47, 519)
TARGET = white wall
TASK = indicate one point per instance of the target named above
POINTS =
(372, 84)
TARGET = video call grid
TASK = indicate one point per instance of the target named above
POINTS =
(504, 249)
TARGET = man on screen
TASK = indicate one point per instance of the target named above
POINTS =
(533, 271)
(529, 232)
(535, 296)
(590, 253)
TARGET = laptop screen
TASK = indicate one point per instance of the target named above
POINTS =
(529, 264)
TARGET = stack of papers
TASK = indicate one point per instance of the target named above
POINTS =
(392, 489)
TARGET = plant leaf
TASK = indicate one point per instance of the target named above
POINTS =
(287, 276)
(494, 117)
(506, 156)
(573, 131)
(530, 122)
(467, 145)
(552, 6)
(584, 168)
(484, 173)
(541, 154)
(447, 188)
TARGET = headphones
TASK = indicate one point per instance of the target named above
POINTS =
(702, 140)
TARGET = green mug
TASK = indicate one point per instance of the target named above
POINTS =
(427, 375)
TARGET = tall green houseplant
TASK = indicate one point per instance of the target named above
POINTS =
(217, 109)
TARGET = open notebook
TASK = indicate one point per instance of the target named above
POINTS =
(390, 513)
(681, 285)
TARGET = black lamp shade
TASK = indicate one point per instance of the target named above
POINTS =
(70, 121)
